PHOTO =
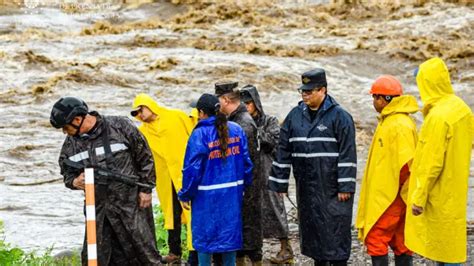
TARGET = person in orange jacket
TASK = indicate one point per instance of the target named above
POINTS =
(381, 213)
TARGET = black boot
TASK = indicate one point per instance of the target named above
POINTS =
(403, 260)
(380, 260)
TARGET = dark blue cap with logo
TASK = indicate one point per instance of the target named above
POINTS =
(315, 78)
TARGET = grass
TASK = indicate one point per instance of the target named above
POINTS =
(13, 256)
(162, 234)
(10, 256)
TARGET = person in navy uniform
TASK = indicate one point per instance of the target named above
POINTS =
(317, 140)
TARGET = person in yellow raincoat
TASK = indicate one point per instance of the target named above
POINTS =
(381, 213)
(436, 224)
(167, 131)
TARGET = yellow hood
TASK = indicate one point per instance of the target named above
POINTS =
(143, 99)
(433, 81)
(404, 104)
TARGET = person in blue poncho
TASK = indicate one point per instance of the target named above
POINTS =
(217, 167)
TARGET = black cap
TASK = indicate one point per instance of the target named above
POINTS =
(222, 88)
(315, 78)
(208, 103)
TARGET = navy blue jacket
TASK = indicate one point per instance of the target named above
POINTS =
(322, 153)
(215, 186)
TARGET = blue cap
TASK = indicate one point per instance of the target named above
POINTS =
(315, 78)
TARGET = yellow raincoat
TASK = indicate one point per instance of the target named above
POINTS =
(393, 146)
(194, 116)
(167, 137)
(440, 170)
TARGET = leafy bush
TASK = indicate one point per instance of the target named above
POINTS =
(162, 234)
(10, 256)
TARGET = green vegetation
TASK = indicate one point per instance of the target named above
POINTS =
(12, 256)
(162, 234)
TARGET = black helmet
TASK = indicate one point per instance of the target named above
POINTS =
(65, 109)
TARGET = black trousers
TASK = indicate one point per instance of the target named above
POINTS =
(193, 258)
(174, 235)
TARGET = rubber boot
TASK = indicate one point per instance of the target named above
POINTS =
(403, 260)
(380, 260)
(285, 255)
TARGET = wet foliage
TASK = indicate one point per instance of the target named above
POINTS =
(10, 255)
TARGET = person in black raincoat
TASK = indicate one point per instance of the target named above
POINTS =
(252, 207)
(124, 217)
(317, 139)
(275, 224)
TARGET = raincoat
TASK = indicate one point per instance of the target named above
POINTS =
(275, 224)
(440, 169)
(323, 156)
(117, 209)
(167, 137)
(194, 116)
(252, 206)
(393, 146)
(215, 186)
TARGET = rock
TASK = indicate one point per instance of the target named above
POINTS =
(66, 254)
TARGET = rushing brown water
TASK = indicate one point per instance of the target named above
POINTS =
(106, 54)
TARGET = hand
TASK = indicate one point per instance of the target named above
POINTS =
(186, 205)
(144, 200)
(283, 195)
(343, 196)
(416, 210)
(79, 182)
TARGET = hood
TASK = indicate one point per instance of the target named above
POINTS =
(255, 98)
(402, 104)
(433, 81)
(143, 99)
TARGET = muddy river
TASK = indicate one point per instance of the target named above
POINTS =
(107, 53)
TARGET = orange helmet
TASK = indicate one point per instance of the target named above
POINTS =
(387, 85)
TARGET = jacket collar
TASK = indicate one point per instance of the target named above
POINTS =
(403, 104)
(206, 122)
(327, 104)
(239, 110)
